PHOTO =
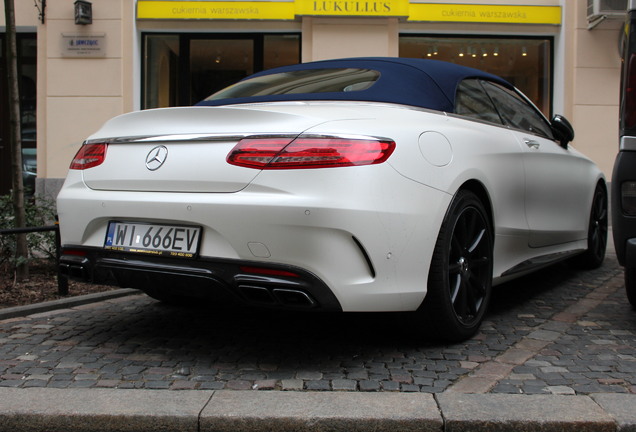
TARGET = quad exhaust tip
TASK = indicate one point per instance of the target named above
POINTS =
(278, 296)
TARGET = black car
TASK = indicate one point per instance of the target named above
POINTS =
(624, 175)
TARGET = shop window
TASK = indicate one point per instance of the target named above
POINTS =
(183, 69)
(524, 62)
(161, 66)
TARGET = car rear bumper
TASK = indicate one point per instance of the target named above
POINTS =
(227, 281)
(367, 238)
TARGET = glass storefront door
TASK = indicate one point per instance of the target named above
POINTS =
(182, 69)
(524, 62)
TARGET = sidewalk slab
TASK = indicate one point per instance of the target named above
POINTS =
(100, 410)
(119, 410)
(523, 413)
(320, 411)
(622, 407)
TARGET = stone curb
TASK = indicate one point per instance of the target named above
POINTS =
(65, 303)
(113, 410)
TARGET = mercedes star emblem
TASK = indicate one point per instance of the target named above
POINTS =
(156, 157)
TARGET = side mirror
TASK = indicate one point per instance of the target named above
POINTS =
(562, 129)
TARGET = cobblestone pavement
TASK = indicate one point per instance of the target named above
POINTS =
(559, 331)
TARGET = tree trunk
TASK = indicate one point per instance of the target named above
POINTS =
(15, 140)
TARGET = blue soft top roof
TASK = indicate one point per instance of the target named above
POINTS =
(418, 82)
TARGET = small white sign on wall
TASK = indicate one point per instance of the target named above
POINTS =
(85, 46)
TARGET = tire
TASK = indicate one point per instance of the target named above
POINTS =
(597, 232)
(630, 284)
(460, 276)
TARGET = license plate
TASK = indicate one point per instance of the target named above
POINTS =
(153, 239)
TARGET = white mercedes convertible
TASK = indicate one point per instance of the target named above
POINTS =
(368, 184)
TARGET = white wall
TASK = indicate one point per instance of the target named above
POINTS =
(595, 94)
(76, 95)
(327, 38)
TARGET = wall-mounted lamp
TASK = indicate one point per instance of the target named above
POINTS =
(83, 12)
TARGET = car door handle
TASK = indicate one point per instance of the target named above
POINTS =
(532, 143)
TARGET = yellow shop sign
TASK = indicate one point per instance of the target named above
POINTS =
(455, 12)
(187, 10)
(289, 10)
(353, 7)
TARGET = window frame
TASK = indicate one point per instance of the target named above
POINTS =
(487, 100)
(184, 39)
(514, 94)
(524, 101)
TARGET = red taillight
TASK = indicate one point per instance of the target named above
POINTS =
(255, 152)
(309, 152)
(268, 271)
(89, 156)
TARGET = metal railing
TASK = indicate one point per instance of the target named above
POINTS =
(62, 280)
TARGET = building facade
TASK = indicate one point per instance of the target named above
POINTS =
(140, 54)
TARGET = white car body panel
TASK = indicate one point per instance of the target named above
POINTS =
(309, 222)
(555, 196)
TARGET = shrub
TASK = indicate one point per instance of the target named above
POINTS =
(40, 211)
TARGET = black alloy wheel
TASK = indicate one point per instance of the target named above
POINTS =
(460, 277)
(597, 232)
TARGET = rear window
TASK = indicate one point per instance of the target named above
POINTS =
(304, 81)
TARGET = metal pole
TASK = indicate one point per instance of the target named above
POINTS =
(62, 280)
